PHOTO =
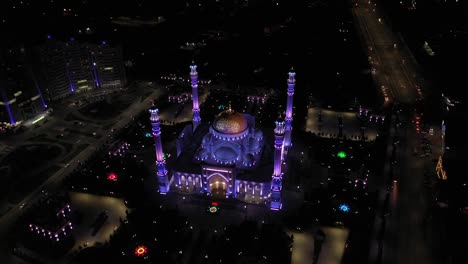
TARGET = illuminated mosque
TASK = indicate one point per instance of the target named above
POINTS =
(229, 158)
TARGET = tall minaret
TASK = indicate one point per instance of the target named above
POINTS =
(277, 177)
(160, 162)
(289, 108)
(196, 111)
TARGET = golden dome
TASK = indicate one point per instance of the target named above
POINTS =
(230, 122)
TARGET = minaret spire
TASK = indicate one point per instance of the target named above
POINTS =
(277, 177)
(289, 107)
(160, 162)
(194, 82)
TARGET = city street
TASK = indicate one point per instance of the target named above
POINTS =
(404, 204)
(386, 54)
(407, 219)
(300, 132)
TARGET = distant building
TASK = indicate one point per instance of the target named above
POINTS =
(76, 67)
(108, 67)
(20, 95)
(55, 79)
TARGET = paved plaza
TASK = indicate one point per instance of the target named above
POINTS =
(329, 126)
(90, 206)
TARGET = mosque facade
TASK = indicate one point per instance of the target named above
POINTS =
(229, 157)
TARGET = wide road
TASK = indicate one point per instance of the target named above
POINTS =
(401, 225)
(53, 183)
(407, 216)
(387, 54)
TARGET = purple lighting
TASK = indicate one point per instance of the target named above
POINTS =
(8, 108)
(40, 93)
(160, 161)
(95, 71)
(194, 82)
(103, 42)
(96, 78)
(10, 114)
(277, 177)
(49, 36)
(289, 107)
(70, 79)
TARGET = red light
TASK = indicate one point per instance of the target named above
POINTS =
(141, 251)
(214, 203)
(112, 177)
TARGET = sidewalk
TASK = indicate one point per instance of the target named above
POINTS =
(334, 245)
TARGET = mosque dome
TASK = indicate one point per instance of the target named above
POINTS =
(225, 154)
(249, 159)
(230, 122)
(251, 144)
(258, 134)
(207, 139)
(203, 153)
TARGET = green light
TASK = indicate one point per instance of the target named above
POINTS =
(341, 154)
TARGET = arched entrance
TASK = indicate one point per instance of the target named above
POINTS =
(218, 186)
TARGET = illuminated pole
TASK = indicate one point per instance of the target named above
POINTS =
(277, 177)
(10, 113)
(160, 162)
(289, 108)
(8, 107)
(196, 110)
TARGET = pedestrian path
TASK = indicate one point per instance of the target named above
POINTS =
(334, 245)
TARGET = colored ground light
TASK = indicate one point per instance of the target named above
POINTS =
(344, 208)
(341, 154)
(141, 251)
(112, 177)
(213, 208)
